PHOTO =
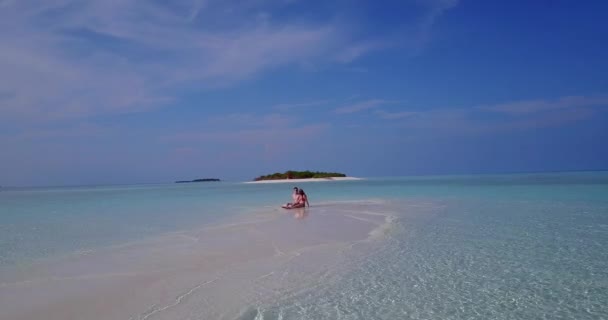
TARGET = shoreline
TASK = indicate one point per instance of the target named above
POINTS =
(305, 180)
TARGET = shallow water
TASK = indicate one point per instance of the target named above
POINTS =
(472, 260)
(462, 247)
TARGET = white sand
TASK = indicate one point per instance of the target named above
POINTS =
(306, 180)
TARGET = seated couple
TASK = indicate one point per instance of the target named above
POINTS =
(300, 200)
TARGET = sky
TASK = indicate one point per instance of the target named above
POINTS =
(134, 91)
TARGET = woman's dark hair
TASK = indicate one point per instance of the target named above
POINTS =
(301, 191)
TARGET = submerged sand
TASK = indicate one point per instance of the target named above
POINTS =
(214, 272)
(306, 180)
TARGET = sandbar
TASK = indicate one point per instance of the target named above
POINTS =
(212, 272)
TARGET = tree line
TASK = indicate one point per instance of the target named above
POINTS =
(299, 175)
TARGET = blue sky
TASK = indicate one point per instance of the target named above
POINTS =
(130, 91)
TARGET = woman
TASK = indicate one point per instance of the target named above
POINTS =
(302, 200)
(294, 196)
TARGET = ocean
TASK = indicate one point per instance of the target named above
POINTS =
(508, 246)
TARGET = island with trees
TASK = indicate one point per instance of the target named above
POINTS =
(198, 180)
(300, 175)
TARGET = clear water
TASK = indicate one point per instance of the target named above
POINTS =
(473, 259)
(527, 246)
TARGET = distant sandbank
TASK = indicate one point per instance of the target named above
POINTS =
(306, 180)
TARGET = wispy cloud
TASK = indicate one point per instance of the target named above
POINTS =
(353, 52)
(556, 118)
(298, 105)
(361, 106)
(247, 128)
(438, 7)
(395, 115)
(73, 59)
(80, 130)
(510, 116)
(249, 120)
(416, 37)
(255, 136)
(534, 106)
(76, 59)
(267, 142)
(239, 147)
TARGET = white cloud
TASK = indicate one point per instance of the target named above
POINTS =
(72, 59)
(76, 59)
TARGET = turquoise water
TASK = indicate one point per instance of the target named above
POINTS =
(525, 246)
(477, 247)
(473, 259)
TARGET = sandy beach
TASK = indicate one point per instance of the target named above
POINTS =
(307, 180)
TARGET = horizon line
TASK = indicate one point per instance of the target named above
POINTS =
(238, 180)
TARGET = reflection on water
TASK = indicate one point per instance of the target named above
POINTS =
(300, 213)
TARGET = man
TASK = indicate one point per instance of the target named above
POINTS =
(295, 195)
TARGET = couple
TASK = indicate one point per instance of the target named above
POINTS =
(300, 200)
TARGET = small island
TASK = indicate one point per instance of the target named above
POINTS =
(288, 175)
(198, 180)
